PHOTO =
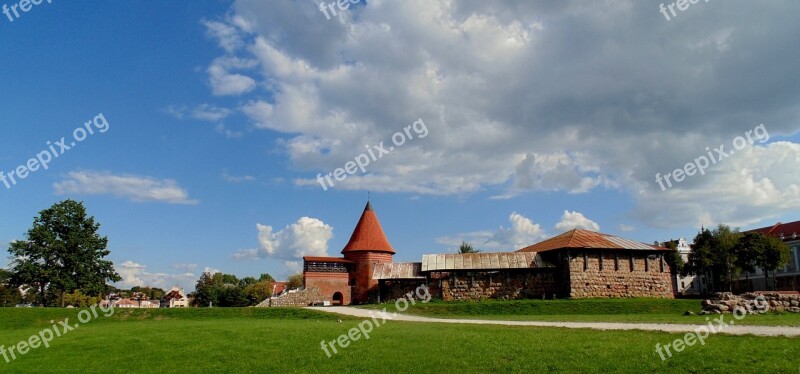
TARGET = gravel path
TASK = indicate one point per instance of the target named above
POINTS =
(731, 329)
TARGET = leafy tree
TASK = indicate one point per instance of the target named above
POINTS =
(773, 254)
(467, 248)
(265, 277)
(748, 249)
(230, 279)
(259, 291)
(9, 295)
(701, 257)
(232, 296)
(207, 289)
(79, 300)
(724, 255)
(246, 281)
(294, 281)
(62, 253)
(713, 256)
(674, 259)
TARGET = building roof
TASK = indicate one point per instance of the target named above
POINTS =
(278, 287)
(482, 261)
(326, 259)
(397, 270)
(790, 231)
(582, 238)
(368, 235)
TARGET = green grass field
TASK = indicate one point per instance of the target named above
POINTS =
(586, 310)
(288, 340)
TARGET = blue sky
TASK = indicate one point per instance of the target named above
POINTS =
(540, 117)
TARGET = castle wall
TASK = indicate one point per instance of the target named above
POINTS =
(618, 274)
(364, 287)
(477, 285)
(328, 284)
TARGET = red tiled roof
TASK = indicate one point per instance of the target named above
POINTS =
(279, 287)
(326, 259)
(787, 229)
(368, 235)
(581, 238)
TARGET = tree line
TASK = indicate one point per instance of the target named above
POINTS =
(723, 254)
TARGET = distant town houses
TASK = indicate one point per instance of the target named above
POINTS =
(175, 298)
(786, 278)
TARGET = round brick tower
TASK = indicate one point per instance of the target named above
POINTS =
(367, 247)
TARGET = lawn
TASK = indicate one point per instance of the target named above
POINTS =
(288, 340)
(584, 310)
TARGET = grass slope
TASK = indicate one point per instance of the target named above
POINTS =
(584, 310)
(288, 340)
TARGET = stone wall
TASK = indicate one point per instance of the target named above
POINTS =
(306, 297)
(618, 275)
(753, 302)
(477, 285)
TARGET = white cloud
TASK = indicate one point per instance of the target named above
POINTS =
(626, 228)
(211, 270)
(203, 112)
(228, 36)
(573, 220)
(522, 232)
(208, 112)
(134, 274)
(223, 82)
(236, 178)
(230, 134)
(505, 89)
(751, 185)
(306, 237)
(133, 187)
(554, 172)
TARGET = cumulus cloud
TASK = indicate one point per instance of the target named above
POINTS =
(521, 233)
(134, 274)
(306, 237)
(574, 220)
(133, 187)
(224, 82)
(506, 88)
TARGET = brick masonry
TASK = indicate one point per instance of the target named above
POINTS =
(329, 284)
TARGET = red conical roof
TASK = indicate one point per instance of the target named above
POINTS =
(368, 235)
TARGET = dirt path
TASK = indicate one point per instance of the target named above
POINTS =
(731, 329)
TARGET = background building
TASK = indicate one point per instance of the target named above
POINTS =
(576, 264)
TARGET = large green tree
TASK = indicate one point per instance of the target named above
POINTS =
(62, 252)
(774, 254)
(713, 257)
